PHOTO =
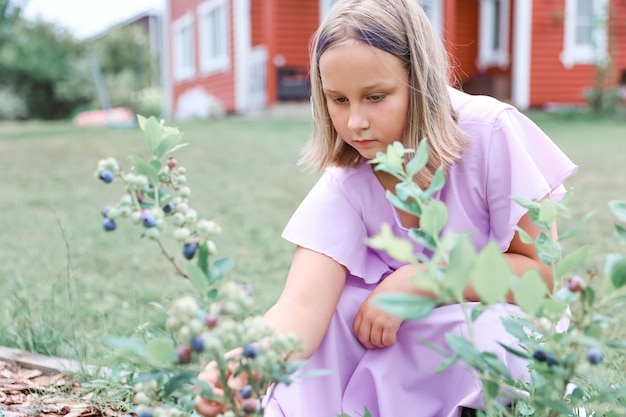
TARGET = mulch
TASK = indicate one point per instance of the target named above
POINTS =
(27, 390)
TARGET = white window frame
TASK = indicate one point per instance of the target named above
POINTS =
(184, 70)
(325, 6)
(434, 11)
(433, 8)
(491, 29)
(592, 53)
(211, 63)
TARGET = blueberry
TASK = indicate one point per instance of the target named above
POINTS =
(107, 176)
(197, 344)
(575, 284)
(594, 356)
(246, 392)
(168, 207)
(183, 354)
(249, 405)
(105, 211)
(540, 355)
(210, 320)
(189, 250)
(148, 220)
(250, 351)
(109, 224)
(144, 413)
(551, 360)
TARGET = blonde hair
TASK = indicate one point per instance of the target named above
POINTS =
(401, 28)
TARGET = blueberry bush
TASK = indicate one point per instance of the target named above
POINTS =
(559, 359)
(163, 365)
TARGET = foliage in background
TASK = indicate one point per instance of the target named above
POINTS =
(45, 73)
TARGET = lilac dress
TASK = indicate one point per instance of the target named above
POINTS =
(508, 155)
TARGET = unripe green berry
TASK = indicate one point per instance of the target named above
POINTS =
(178, 219)
(191, 216)
(141, 398)
(181, 179)
(209, 227)
(135, 217)
(182, 233)
(185, 192)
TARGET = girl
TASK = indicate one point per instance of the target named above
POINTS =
(379, 74)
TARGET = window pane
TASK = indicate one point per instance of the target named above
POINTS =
(497, 25)
(584, 22)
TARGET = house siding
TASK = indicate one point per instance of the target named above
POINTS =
(219, 86)
(551, 82)
(295, 24)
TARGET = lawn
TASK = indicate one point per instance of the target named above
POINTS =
(65, 283)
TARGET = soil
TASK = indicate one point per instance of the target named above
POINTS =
(31, 386)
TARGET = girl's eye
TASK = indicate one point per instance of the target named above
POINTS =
(340, 100)
(376, 97)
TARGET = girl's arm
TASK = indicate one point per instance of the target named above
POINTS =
(309, 298)
(305, 307)
(375, 328)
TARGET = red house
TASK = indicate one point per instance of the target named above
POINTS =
(241, 55)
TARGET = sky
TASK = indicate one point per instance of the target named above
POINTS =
(85, 18)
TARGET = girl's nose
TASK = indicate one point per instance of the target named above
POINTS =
(358, 120)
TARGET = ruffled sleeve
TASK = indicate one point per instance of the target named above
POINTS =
(330, 221)
(522, 161)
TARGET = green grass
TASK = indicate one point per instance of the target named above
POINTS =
(65, 283)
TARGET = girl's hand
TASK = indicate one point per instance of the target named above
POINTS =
(216, 406)
(374, 327)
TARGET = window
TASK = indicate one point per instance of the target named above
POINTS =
(213, 19)
(585, 32)
(325, 6)
(493, 41)
(433, 8)
(434, 11)
(184, 56)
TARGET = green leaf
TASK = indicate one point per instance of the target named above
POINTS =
(178, 381)
(160, 350)
(423, 238)
(141, 120)
(618, 273)
(410, 206)
(405, 306)
(553, 309)
(397, 248)
(571, 261)
(621, 233)
(549, 251)
(548, 212)
(576, 228)
(437, 183)
(418, 162)
(618, 208)
(465, 350)
(446, 363)
(434, 217)
(143, 167)
(168, 143)
(153, 135)
(516, 327)
(491, 388)
(491, 275)
(461, 262)
(494, 363)
(135, 346)
(530, 291)
(197, 278)
(514, 351)
(524, 236)
(219, 268)
(528, 204)
(617, 344)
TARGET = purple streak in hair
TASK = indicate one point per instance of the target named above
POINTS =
(373, 35)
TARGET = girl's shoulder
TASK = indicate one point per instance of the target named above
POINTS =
(477, 109)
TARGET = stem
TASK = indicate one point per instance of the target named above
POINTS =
(171, 258)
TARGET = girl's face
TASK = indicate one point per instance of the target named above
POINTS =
(367, 95)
